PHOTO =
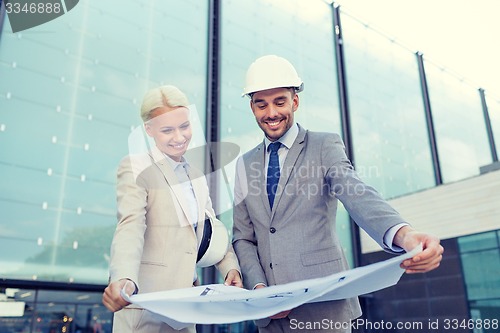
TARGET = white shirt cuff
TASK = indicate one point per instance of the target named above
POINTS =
(259, 284)
(389, 237)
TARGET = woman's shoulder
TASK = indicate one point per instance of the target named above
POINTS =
(136, 162)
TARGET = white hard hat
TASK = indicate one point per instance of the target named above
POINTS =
(213, 243)
(270, 72)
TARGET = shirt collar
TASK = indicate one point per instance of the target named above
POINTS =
(286, 139)
(175, 164)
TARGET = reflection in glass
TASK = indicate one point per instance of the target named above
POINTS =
(480, 255)
(51, 311)
(70, 92)
(391, 146)
(461, 136)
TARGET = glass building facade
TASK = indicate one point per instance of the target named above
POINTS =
(480, 256)
(70, 92)
(389, 134)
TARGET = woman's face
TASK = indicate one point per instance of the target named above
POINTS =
(171, 130)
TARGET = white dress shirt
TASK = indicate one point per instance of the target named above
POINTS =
(181, 171)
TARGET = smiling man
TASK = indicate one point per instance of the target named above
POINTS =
(284, 228)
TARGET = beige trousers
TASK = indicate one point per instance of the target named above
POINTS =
(131, 320)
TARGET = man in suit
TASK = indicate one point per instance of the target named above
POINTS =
(162, 206)
(286, 194)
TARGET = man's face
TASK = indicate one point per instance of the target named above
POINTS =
(273, 109)
(171, 131)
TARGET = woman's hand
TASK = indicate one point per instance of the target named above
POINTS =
(233, 278)
(112, 298)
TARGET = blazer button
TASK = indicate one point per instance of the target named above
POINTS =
(272, 230)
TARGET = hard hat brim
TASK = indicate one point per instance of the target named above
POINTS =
(214, 242)
(251, 91)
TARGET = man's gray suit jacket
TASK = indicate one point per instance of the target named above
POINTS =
(297, 239)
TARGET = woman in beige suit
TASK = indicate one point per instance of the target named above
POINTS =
(162, 207)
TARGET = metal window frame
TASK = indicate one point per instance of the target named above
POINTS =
(212, 123)
(438, 178)
(213, 109)
(2, 17)
(345, 117)
(489, 129)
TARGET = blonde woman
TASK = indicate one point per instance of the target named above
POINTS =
(163, 204)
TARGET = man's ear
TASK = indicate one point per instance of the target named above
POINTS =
(295, 102)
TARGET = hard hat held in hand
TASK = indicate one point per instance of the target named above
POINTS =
(214, 242)
(270, 72)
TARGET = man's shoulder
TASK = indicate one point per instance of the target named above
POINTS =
(321, 136)
(253, 152)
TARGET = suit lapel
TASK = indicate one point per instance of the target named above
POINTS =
(258, 172)
(171, 178)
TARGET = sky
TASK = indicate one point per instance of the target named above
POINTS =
(462, 36)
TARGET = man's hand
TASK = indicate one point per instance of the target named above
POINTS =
(112, 298)
(427, 260)
(233, 278)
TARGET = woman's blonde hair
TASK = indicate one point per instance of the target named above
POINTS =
(168, 96)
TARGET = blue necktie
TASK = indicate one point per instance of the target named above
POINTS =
(273, 172)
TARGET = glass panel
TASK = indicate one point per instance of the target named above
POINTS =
(66, 115)
(52, 317)
(481, 270)
(390, 138)
(19, 306)
(93, 318)
(486, 313)
(478, 242)
(461, 136)
(51, 311)
(278, 28)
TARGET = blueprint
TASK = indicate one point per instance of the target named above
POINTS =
(218, 304)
